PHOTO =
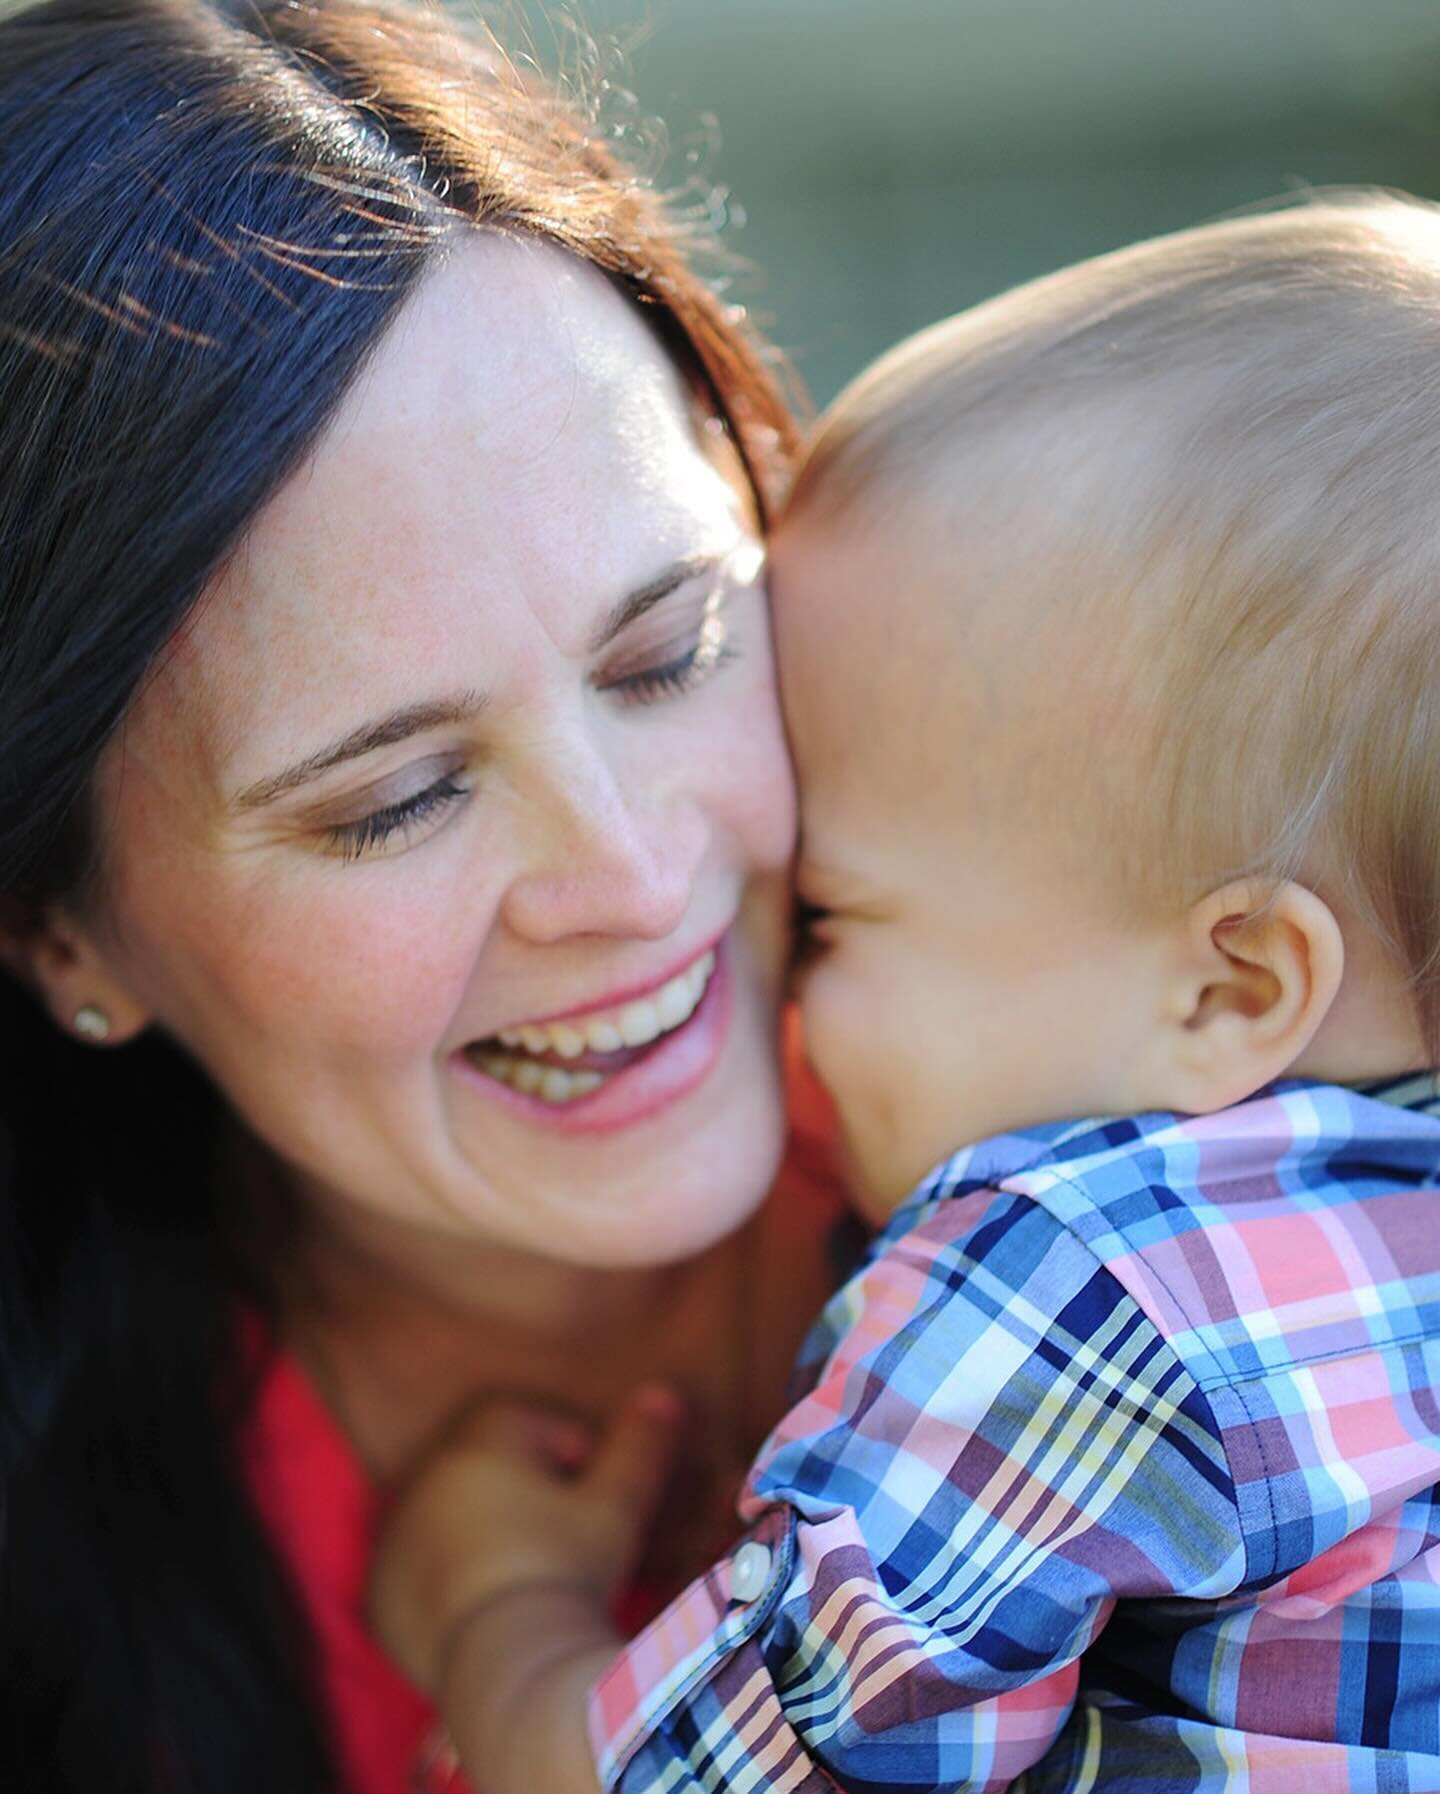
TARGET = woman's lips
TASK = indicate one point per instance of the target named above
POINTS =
(609, 1091)
(592, 1014)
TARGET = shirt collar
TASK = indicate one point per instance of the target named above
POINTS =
(1415, 1090)
(1320, 1117)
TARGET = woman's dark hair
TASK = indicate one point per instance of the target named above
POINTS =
(208, 216)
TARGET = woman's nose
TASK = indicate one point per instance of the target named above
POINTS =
(609, 862)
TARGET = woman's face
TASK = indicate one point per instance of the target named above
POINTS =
(469, 772)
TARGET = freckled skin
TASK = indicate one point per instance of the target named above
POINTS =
(518, 456)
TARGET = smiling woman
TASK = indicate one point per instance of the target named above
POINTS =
(603, 804)
(392, 784)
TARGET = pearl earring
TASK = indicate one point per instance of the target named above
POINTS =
(92, 1023)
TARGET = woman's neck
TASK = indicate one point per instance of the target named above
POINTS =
(368, 1271)
(397, 1328)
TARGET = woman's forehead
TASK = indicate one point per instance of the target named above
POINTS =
(516, 383)
(519, 452)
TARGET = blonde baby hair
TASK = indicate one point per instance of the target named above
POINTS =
(1223, 448)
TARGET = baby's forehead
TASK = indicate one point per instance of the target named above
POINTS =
(878, 654)
(921, 581)
(863, 593)
(940, 667)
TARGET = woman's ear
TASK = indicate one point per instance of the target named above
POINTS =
(1255, 981)
(60, 959)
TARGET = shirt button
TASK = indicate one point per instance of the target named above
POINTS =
(749, 1571)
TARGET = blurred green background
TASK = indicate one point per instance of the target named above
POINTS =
(887, 161)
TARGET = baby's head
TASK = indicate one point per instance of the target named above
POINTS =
(1109, 625)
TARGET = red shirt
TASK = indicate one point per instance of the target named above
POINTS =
(322, 1514)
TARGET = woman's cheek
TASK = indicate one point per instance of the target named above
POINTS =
(401, 956)
(371, 958)
(759, 791)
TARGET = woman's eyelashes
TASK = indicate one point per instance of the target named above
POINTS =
(708, 649)
(352, 840)
(675, 677)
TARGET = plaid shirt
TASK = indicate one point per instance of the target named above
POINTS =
(1116, 1468)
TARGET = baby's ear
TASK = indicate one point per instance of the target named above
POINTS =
(1256, 973)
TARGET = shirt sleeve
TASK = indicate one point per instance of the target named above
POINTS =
(999, 1447)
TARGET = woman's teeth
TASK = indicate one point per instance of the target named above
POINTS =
(547, 1082)
(602, 1031)
(632, 1025)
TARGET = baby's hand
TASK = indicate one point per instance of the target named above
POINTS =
(513, 1498)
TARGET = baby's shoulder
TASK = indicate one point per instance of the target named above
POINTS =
(1285, 1252)
(1295, 1228)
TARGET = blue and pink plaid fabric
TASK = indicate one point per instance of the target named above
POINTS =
(1115, 1468)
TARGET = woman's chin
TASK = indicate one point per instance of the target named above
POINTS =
(678, 1203)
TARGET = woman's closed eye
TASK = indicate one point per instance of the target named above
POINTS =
(673, 678)
(404, 818)
(402, 822)
(669, 670)
(680, 666)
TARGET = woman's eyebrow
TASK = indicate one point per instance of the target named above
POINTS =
(643, 598)
(413, 719)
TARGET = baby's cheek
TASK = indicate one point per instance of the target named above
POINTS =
(832, 1014)
(867, 1060)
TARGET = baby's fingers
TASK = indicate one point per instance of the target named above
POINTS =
(517, 1430)
(634, 1459)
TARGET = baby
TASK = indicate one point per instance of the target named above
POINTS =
(1109, 632)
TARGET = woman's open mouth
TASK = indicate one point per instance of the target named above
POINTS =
(560, 1062)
